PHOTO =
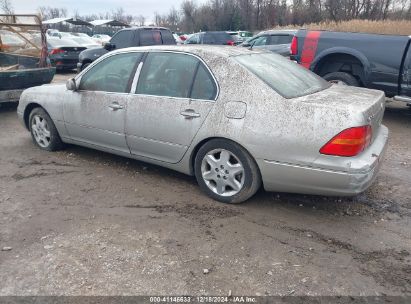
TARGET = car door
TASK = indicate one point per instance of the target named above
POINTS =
(161, 119)
(405, 78)
(95, 113)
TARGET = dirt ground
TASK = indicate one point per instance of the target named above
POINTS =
(83, 222)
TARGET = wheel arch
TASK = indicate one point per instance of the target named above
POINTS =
(27, 110)
(351, 56)
(205, 140)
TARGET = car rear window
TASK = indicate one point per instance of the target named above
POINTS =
(284, 76)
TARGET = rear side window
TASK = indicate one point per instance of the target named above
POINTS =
(216, 38)
(167, 74)
(167, 37)
(122, 39)
(113, 74)
(150, 37)
(284, 76)
(204, 86)
(280, 39)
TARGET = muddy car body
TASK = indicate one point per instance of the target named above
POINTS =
(235, 126)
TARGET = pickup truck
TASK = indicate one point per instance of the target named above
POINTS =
(24, 62)
(381, 62)
(129, 37)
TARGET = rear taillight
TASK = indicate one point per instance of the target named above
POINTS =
(294, 46)
(230, 42)
(349, 142)
(56, 51)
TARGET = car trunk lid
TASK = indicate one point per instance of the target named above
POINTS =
(369, 104)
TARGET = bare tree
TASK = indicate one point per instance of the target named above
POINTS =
(141, 20)
(6, 7)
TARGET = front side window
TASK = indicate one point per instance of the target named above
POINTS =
(204, 86)
(284, 76)
(260, 41)
(113, 74)
(122, 39)
(167, 74)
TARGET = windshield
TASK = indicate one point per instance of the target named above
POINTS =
(284, 76)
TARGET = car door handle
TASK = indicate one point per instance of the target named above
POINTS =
(190, 113)
(115, 106)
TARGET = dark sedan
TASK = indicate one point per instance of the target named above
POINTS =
(63, 53)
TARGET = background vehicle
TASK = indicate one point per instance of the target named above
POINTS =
(101, 38)
(234, 118)
(240, 36)
(128, 37)
(219, 38)
(63, 53)
(178, 39)
(277, 41)
(86, 42)
(23, 55)
(374, 61)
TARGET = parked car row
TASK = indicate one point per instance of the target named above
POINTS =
(343, 58)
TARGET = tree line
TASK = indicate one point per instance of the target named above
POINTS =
(263, 14)
(248, 14)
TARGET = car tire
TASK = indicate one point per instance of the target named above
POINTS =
(342, 78)
(43, 131)
(226, 172)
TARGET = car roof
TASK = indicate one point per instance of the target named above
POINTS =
(271, 32)
(134, 28)
(222, 51)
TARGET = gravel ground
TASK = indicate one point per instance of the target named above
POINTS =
(83, 222)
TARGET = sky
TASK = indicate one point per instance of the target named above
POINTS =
(147, 8)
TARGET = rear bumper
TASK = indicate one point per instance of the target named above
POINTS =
(64, 63)
(281, 177)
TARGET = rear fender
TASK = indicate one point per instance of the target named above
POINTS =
(347, 51)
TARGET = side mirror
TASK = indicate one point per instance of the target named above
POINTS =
(108, 46)
(71, 85)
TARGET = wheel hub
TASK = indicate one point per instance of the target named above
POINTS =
(222, 172)
(40, 131)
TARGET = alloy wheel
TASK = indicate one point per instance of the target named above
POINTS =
(222, 172)
(41, 131)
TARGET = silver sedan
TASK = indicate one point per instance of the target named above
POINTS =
(234, 118)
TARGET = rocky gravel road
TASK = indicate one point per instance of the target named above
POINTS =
(83, 222)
